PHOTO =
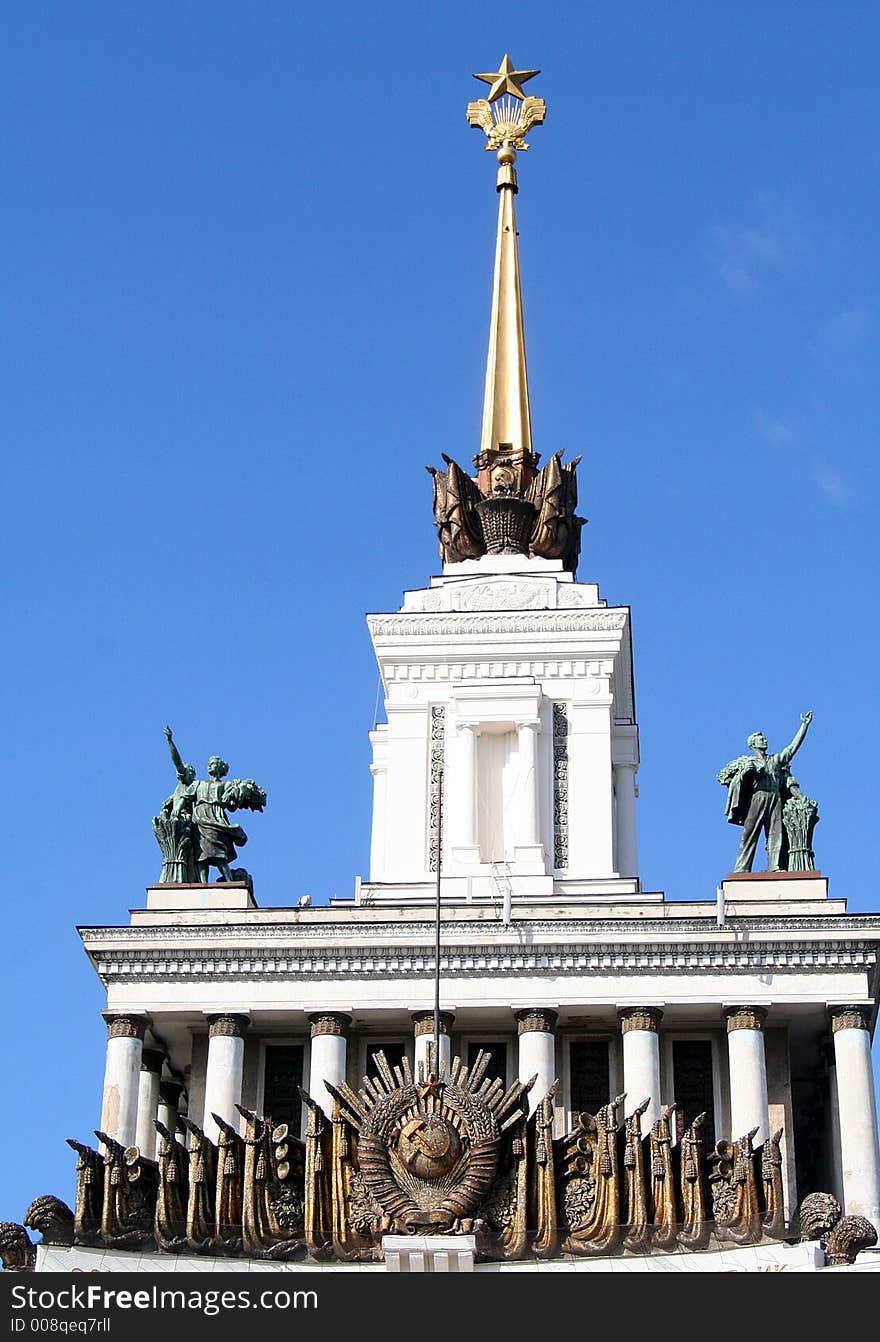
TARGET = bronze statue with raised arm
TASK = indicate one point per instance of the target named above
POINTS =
(200, 806)
(757, 787)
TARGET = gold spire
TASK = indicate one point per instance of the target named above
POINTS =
(507, 428)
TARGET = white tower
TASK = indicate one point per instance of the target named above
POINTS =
(508, 685)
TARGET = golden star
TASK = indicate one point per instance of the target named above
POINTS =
(506, 80)
(432, 1087)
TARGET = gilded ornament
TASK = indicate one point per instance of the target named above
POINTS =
(640, 1018)
(817, 1215)
(51, 1218)
(745, 1018)
(850, 1018)
(18, 1253)
(329, 1022)
(695, 1229)
(540, 1020)
(423, 1023)
(131, 1183)
(849, 1237)
(231, 1026)
(126, 1027)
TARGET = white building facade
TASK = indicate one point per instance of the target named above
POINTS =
(511, 744)
(505, 777)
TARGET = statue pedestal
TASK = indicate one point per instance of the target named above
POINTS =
(429, 1253)
(775, 885)
(215, 895)
(802, 892)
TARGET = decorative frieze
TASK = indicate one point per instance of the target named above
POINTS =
(560, 786)
(329, 1022)
(541, 1020)
(500, 593)
(449, 625)
(126, 1027)
(435, 784)
(463, 955)
(592, 674)
(423, 1023)
(850, 1018)
(503, 595)
(745, 1018)
(695, 929)
(640, 1018)
(231, 1026)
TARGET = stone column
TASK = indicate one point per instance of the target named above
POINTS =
(537, 1050)
(148, 1101)
(625, 795)
(327, 1062)
(169, 1098)
(857, 1111)
(423, 1026)
(119, 1105)
(223, 1072)
(748, 1072)
(641, 1060)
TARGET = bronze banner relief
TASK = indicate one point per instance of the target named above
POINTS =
(440, 1153)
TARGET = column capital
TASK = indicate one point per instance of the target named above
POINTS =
(537, 1020)
(170, 1093)
(745, 1017)
(423, 1022)
(849, 1018)
(152, 1060)
(120, 1026)
(230, 1024)
(533, 723)
(329, 1022)
(639, 1018)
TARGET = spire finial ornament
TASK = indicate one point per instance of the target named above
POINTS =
(506, 80)
(510, 507)
(508, 121)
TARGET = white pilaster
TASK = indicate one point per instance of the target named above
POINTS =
(119, 1104)
(224, 1071)
(423, 1026)
(460, 796)
(748, 1073)
(328, 1055)
(625, 797)
(537, 1051)
(591, 828)
(405, 790)
(148, 1101)
(528, 849)
(641, 1060)
(857, 1111)
(379, 770)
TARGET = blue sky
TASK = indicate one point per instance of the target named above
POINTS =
(245, 270)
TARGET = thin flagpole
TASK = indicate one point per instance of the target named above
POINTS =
(437, 927)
